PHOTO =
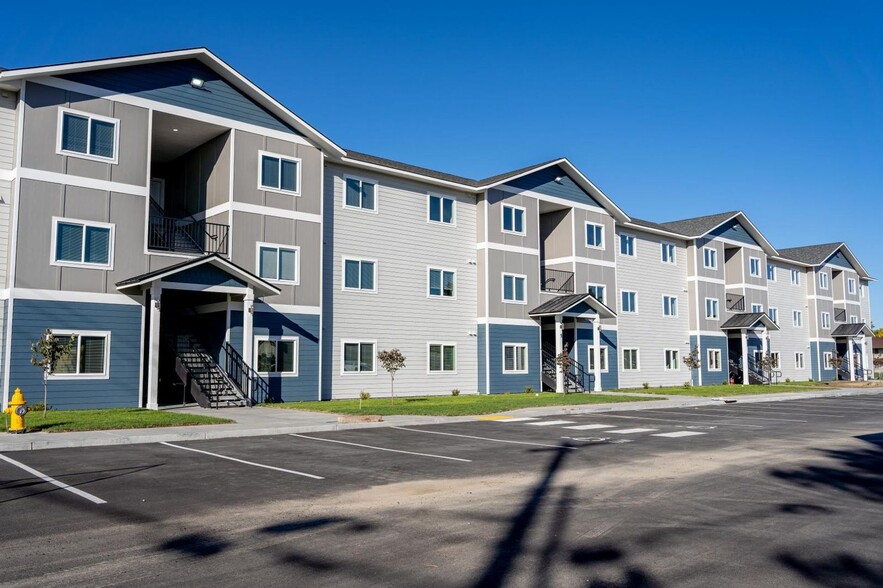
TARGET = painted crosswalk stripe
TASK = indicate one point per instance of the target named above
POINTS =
(587, 427)
(517, 420)
(628, 431)
(678, 434)
(549, 423)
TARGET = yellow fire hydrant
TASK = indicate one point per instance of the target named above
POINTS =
(17, 410)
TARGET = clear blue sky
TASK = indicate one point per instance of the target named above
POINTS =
(673, 109)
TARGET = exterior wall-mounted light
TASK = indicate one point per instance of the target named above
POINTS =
(197, 83)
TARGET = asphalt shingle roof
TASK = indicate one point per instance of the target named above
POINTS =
(810, 254)
(652, 225)
(559, 304)
(743, 320)
(848, 330)
(699, 225)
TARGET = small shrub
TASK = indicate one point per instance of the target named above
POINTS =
(688, 385)
(787, 380)
(455, 392)
(39, 407)
(646, 385)
(363, 396)
(528, 390)
(725, 383)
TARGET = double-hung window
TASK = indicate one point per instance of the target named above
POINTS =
(754, 267)
(774, 359)
(279, 173)
(513, 220)
(594, 235)
(630, 360)
(669, 306)
(89, 356)
(278, 262)
(714, 360)
(360, 193)
(629, 301)
(672, 360)
(441, 209)
(798, 361)
(795, 277)
(773, 314)
(797, 318)
(514, 358)
(442, 358)
(627, 245)
(828, 360)
(709, 255)
(668, 253)
(82, 243)
(823, 280)
(770, 272)
(276, 355)
(514, 289)
(602, 351)
(88, 135)
(441, 283)
(755, 307)
(712, 308)
(850, 285)
(598, 292)
(826, 320)
(358, 357)
(359, 274)
(853, 319)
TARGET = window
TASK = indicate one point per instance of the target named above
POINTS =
(714, 360)
(823, 280)
(754, 266)
(84, 244)
(360, 194)
(712, 308)
(513, 220)
(598, 291)
(672, 360)
(89, 356)
(826, 320)
(669, 306)
(773, 313)
(358, 274)
(630, 360)
(710, 257)
(853, 319)
(756, 307)
(626, 245)
(797, 318)
(828, 358)
(441, 209)
(774, 359)
(795, 277)
(514, 358)
(514, 288)
(770, 272)
(850, 285)
(442, 358)
(629, 301)
(441, 283)
(358, 357)
(668, 253)
(278, 262)
(595, 235)
(276, 355)
(88, 135)
(602, 351)
(798, 361)
(279, 173)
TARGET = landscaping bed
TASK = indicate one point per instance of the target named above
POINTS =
(60, 421)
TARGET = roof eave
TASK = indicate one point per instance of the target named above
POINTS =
(406, 174)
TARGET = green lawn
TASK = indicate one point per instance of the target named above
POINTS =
(453, 405)
(59, 421)
(729, 390)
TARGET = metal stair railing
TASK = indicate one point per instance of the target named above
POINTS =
(577, 378)
(255, 388)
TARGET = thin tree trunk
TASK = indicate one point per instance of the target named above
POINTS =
(45, 391)
(392, 389)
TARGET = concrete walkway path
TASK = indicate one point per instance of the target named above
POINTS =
(251, 422)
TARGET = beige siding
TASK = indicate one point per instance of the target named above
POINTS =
(8, 106)
(789, 340)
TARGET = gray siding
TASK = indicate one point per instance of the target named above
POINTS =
(789, 340)
(8, 106)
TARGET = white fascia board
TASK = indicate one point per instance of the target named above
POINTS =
(405, 174)
(641, 228)
(850, 256)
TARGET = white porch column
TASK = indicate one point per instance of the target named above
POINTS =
(850, 357)
(559, 347)
(744, 357)
(154, 347)
(865, 366)
(766, 342)
(596, 349)
(248, 331)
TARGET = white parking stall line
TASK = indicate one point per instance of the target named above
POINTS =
(588, 427)
(53, 481)
(482, 438)
(676, 434)
(550, 423)
(515, 420)
(692, 422)
(717, 412)
(630, 431)
(242, 461)
(381, 448)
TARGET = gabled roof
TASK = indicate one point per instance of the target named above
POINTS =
(653, 227)
(567, 302)
(852, 330)
(202, 55)
(815, 255)
(700, 226)
(749, 320)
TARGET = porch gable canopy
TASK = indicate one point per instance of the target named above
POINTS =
(850, 330)
(573, 305)
(748, 321)
(210, 270)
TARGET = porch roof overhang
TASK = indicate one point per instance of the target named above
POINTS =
(850, 330)
(242, 277)
(749, 321)
(573, 305)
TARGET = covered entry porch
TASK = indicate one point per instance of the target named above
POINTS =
(749, 358)
(851, 343)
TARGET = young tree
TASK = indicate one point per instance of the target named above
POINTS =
(46, 353)
(392, 361)
(692, 360)
(564, 361)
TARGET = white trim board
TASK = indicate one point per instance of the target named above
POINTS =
(27, 173)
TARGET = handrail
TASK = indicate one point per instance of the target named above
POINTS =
(735, 302)
(577, 377)
(250, 383)
(199, 236)
(559, 281)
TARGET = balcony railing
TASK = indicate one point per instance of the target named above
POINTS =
(186, 235)
(557, 281)
(839, 315)
(735, 302)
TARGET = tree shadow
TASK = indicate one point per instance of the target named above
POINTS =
(196, 544)
(837, 570)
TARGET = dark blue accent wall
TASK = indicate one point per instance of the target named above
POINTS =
(840, 260)
(610, 379)
(499, 334)
(482, 359)
(30, 318)
(169, 82)
(734, 231)
(543, 182)
(817, 350)
(710, 378)
(206, 275)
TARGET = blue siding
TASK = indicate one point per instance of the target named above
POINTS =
(609, 380)
(305, 385)
(5, 304)
(710, 378)
(482, 356)
(817, 350)
(206, 275)
(734, 231)
(840, 260)
(499, 334)
(543, 182)
(30, 318)
(169, 82)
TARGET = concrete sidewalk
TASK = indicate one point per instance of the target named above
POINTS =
(252, 422)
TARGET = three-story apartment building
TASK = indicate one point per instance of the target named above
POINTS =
(198, 240)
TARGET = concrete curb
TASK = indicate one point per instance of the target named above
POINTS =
(32, 441)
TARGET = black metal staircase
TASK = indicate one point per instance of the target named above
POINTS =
(576, 379)
(757, 374)
(209, 384)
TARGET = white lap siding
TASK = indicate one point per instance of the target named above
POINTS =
(790, 340)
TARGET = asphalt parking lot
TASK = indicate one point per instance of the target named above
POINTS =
(570, 500)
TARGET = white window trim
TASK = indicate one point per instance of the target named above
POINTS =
(343, 343)
(799, 365)
(503, 288)
(669, 369)
(279, 190)
(777, 364)
(376, 208)
(441, 372)
(851, 317)
(523, 218)
(88, 115)
(717, 304)
(797, 318)
(759, 270)
(827, 281)
(756, 307)
(606, 367)
(85, 223)
(704, 258)
(795, 274)
(827, 358)
(677, 305)
(774, 310)
(774, 278)
(526, 358)
(634, 245)
(429, 197)
(673, 258)
(850, 286)
(720, 360)
(442, 296)
(637, 351)
(825, 320)
(603, 244)
(66, 333)
(604, 286)
(343, 275)
(621, 306)
(295, 339)
(297, 260)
